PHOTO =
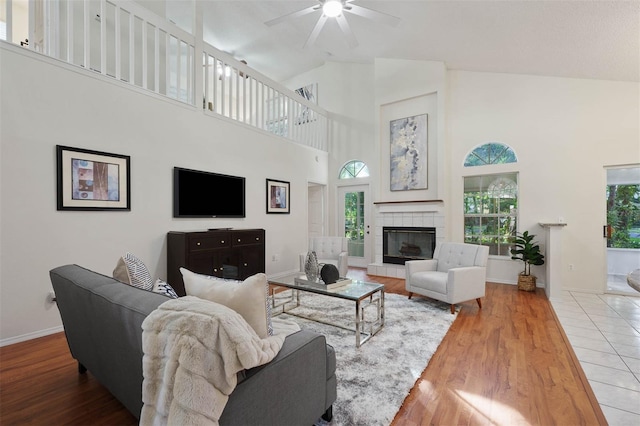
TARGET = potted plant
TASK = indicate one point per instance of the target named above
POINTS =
(528, 251)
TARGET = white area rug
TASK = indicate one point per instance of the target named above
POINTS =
(374, 380)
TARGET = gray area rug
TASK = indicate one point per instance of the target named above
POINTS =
(374, 380)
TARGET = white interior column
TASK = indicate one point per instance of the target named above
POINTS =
(553, 259)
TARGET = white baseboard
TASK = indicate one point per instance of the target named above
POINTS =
(29, 336)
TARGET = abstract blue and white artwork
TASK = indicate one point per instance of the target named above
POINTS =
(408, 166)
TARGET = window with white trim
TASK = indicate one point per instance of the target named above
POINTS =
(491, 211)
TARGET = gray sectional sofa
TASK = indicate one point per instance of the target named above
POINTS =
(102, 320)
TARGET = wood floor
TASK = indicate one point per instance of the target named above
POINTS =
(505, 364)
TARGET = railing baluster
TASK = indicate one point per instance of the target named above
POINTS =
(103, 38)
(9, 22)
(118, 43)
(156, 60)
(87, 36)
(132, 37)
(70, 35)
(144, 56)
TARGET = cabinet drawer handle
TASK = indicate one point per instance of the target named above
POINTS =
(197, 244)
(215, 270)
(245, 264)
(222, 242)
(238, 239)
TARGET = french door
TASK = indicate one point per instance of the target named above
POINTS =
(353, 205)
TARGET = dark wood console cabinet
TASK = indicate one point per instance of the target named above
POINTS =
(234, 254)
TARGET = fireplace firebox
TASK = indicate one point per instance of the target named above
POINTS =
(402, 243)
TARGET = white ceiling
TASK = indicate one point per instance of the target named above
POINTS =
(582, 39)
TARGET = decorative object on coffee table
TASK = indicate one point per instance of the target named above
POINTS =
(329, 274)
(311, 266)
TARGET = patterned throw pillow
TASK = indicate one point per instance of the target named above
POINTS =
(131, 270)
(164, 288)
(249, 297)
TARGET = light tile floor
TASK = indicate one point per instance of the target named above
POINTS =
(604, 331)
(617, 283)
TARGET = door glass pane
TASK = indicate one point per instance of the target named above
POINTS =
(354, 222)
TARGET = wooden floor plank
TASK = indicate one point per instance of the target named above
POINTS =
(507, 363)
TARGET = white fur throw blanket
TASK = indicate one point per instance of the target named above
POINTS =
(193, 349)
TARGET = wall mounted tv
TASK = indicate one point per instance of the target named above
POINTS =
(205, 194)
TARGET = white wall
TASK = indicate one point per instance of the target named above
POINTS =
(44, 104)
(344, 89)
(411, 87)
(564, 131)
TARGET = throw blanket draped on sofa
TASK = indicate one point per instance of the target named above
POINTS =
(193, 350)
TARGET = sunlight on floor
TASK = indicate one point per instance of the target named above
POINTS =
(494, 411)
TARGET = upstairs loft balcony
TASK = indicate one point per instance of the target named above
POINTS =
(126, 42)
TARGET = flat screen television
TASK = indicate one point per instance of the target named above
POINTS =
(205, 194)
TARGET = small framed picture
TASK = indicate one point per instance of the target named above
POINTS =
(92, 180)
(278, 196)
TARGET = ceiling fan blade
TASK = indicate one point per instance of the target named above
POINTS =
(346, 30)
(292, 15)
(383, 18)
(316, 31)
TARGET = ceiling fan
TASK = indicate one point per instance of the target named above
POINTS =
(334, 9)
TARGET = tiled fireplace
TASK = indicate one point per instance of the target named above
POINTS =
(411, 216)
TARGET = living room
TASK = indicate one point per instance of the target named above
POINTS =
(565, 130)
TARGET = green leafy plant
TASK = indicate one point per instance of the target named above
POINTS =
(528, 251)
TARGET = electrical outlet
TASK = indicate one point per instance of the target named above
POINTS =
(275, 258)
(571, 266)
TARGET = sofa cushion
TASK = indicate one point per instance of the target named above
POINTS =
(131, 270)
(248, 297)
(164, 288)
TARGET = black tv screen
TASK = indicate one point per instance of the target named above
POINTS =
(205, 194)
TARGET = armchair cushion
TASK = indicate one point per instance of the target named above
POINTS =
(430, 280)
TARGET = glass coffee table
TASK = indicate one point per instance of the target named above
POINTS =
(365, 296)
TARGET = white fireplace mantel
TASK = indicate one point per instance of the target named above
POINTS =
(421, 206)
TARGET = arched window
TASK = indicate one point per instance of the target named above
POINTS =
(354, 169)
(490, 153)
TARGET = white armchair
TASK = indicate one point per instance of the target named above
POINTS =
(332, 250)
(456, 273)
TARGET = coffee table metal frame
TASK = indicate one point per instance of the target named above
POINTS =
(356, 291)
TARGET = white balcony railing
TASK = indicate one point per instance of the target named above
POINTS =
(124, 41)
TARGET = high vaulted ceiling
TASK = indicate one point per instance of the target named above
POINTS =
(582, 39)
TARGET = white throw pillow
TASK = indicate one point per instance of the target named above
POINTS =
(248, 297)
(131, 270)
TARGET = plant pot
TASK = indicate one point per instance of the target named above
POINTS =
(526, 282)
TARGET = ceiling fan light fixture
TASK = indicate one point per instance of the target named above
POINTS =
(332, 8)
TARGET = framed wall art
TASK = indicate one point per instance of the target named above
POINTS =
(92, 180)
(278, 197)
(408, 168)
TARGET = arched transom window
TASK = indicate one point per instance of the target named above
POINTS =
(354, 169)
(490, 153)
